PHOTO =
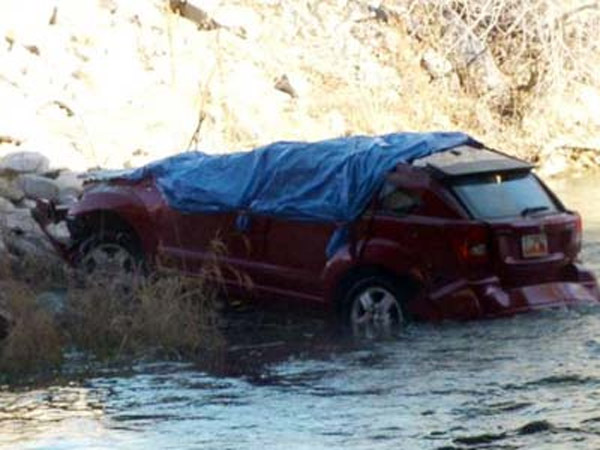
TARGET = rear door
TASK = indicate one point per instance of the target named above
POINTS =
(294, 259)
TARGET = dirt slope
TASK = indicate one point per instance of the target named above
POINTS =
(116, 83)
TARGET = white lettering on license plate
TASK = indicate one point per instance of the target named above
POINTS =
(534, 245)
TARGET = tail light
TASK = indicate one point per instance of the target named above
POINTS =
(471, 246)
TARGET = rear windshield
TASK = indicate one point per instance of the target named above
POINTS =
(494, 196)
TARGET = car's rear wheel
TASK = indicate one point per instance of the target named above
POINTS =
(374, 307)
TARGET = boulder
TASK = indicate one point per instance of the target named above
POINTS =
(6, 206)
(436, 65)
(10, 190)
(23, 237)
(3, 249)
(19, 222)
(34, 246)
(69, 187)
(38, 187)
(24, 162)
(53, 302)
(59, 231)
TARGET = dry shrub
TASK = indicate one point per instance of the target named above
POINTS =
(539, 44)
(44, 271)
(165, 313)
(35, 342)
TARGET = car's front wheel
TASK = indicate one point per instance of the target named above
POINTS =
(374, 307)
(109, 258)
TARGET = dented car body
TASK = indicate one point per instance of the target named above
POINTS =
(462, 234)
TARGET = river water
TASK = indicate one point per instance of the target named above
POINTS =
(531, 381)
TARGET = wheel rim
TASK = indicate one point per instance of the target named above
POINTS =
(375, 312)
(110, 265)
(108, 258)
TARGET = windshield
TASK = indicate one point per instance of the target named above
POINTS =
(494, 196)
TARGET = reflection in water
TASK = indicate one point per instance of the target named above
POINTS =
(530, 381)
(583, 195)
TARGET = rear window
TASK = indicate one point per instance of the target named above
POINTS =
(494, 196)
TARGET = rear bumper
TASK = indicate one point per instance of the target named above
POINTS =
(487, 298)
(496, 302)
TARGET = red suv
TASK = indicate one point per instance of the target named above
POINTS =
(462, 233)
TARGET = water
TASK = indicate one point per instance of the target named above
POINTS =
(531, 381)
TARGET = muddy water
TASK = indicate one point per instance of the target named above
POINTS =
(526, 382)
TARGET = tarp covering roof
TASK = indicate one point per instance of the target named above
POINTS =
(330, 181)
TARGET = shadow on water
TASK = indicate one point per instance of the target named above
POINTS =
(531, 381)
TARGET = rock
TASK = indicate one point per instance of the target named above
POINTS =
(3, 249)
(27, 203)
(195, 14)
(6, 206)
(59, 231)
(33, 246)
(38, 187)
(283, 84)
(23, 237)
(10, 190)
(436, 65)
(69, 187)
(24, 162)
(53, 302)
(19, 222)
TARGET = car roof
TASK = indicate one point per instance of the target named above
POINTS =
(470, 160)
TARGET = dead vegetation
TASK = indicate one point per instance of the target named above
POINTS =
(537, 46)
(165, 314)
(35, 342)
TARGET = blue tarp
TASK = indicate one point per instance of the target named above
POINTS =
(329, 181)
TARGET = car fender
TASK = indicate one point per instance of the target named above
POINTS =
(123, 203)
(377, 253)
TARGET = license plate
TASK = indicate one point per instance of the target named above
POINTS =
(534, 245)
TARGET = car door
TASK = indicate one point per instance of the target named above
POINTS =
(190, 241)
(294, 259)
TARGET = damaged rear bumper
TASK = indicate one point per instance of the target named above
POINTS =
(487, 298)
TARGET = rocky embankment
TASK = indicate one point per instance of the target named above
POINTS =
(24, 178)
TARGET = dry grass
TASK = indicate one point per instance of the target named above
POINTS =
(540, 44)
(165, 314)
(35, 341)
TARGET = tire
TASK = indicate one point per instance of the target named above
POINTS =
(110, 258)
(374, 307)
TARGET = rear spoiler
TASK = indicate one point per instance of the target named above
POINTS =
(477, 162)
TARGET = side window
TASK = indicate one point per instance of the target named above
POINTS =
(394, 200)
